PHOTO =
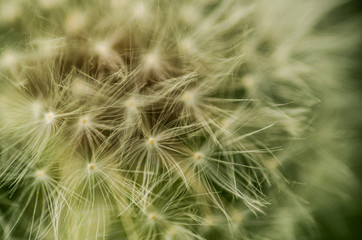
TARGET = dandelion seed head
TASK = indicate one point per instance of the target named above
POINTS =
(151, 141)
(10, 11)
(189, 98)
(75, 22)
(198, 156)
(131, 104)
(84, 121)
(49, 117)
(163, 111)
(249, 82)
(102, 48)
(91, 166)
(8, 59)
(151, 60)
(40, 174)
(153, 217)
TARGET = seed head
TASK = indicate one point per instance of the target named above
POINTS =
(152, 61)
(91, 166)
(75, 22)
(50, 117)
(152, 216)
(198, 156)
(8, 59)
(40, 173)
(151, 141)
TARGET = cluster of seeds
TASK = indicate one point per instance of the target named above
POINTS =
(130, 119)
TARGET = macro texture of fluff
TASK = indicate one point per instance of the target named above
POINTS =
(171, 120)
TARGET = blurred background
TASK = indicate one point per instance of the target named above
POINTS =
(353, 210)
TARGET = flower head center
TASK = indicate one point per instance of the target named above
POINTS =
(49, 117)
(91, 166)
(151, 141)
(40, 173)
(198, 156)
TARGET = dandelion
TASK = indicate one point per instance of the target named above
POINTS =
(189, 120)
(75, 22)
(10, 11)
(8, 59)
